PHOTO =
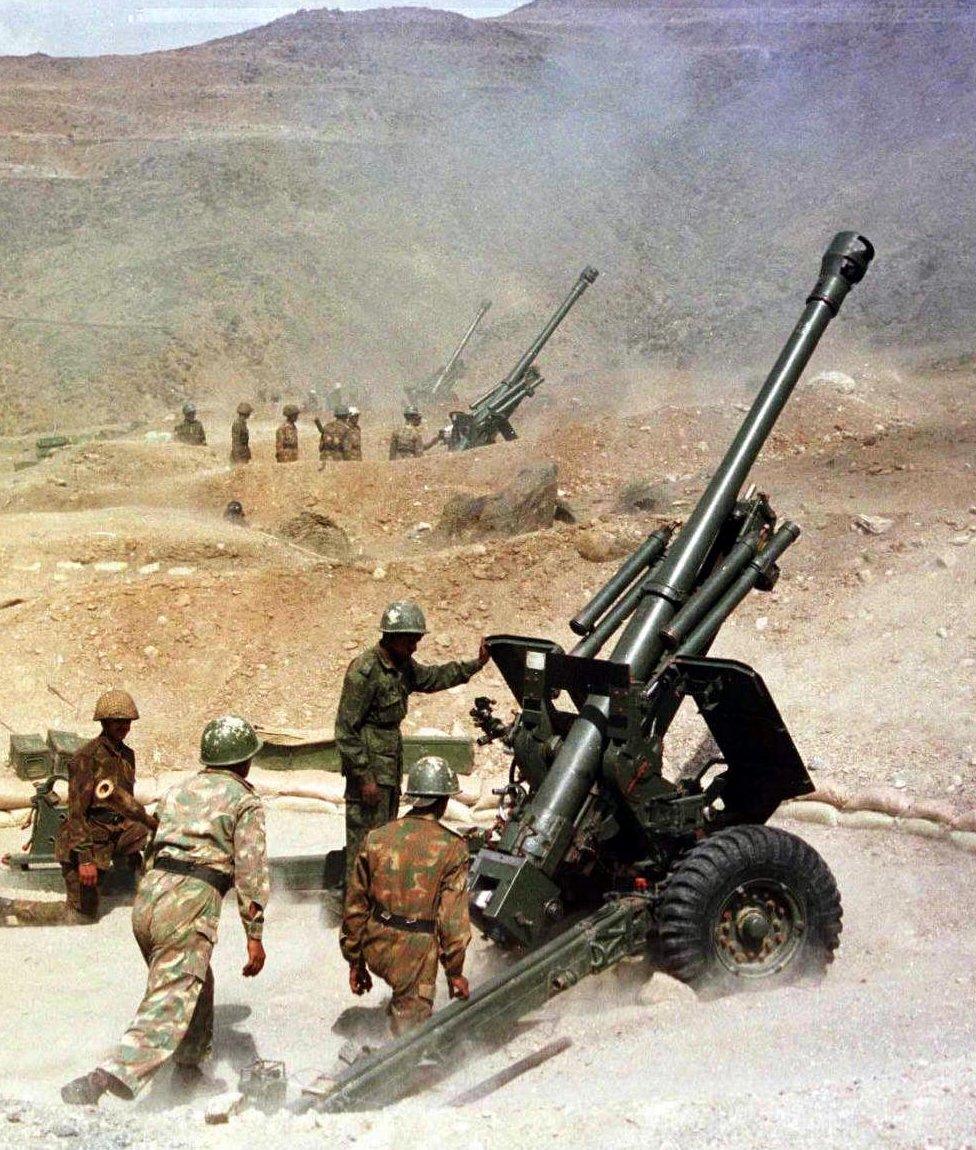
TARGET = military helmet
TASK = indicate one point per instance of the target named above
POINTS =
(234, 509)
(290, 411)
(431, 778)
(115, 705)
(411, 411)
(245, 408)
(341, 411)
(189, 410)
(227, 741)
(403, 618)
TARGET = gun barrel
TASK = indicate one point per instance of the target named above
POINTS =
(648, 553)
(458, 351)
(710, 590)
(700, 637)
(549, 817)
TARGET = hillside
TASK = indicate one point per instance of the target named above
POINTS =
(327, 198)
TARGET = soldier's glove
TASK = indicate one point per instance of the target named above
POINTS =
(360, 981)
(458, 987)
(88, 874)
(255, 958)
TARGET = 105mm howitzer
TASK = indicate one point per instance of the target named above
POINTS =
(442, 381)
(490, 416)
(596, 855)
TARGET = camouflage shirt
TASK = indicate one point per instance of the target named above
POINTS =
(373, 704)
(216, 820)
(93, 826)
(286, 443)
(240, 441)
(190, 431)
(334, 440)
(355, 443)
(406, 441)
(413, 867)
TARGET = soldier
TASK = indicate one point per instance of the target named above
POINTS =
(407, 903)
(105, 822)
(234, 512)
(335, 440)
(407, 441)
(191, 429)
(355, 435)
(312, 403)
(240, 437)
(372, 706)
(286, 437)
(210, 838)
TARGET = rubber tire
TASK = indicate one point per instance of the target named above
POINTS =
(706, 876)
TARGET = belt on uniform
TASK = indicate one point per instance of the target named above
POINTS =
(217, 879)
(398, 922)
(106, 816)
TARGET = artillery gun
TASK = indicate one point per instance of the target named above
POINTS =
(596, 855)
(443, 380)
(490, 416)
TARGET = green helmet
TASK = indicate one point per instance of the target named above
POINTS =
(403, 618)
(341, 411)
(411, 411)
(431, 778)
(291, 411)
(189, 410)
(227, 741)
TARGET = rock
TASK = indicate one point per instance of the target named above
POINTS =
(942, 632)
(762, 623)
(319, 531)
(643, 495)
(872, 524)
(662, 989)
(836, 380)
(865, 575)
(527, 504)
(180, 571)
(947, 560)
(418, 531)
(379, 572)
(114, 565)
(600, 545)
(150, 652)
(222, 1108)
(567, 512)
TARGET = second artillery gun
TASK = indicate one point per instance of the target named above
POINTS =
(490, 416)
(596, 855)
(441, 383)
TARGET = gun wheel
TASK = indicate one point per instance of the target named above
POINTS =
(750, 907)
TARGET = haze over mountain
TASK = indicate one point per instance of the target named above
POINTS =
(328, 197)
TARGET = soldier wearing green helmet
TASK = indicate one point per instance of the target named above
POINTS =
(286, 437)
(190, 429)
(372, 706)
(336, 439)
(406, 905)
(210, 838)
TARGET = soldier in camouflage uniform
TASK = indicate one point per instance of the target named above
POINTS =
(407, 441)
(372, 706)
(286, 437)
(355, 435)
(335, 439)
(240, 437)
(105, 822)
(190, 431)
(210, 838)
(407, 902)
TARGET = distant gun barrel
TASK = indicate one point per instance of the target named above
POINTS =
(449, 367)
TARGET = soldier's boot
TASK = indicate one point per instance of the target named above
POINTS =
(86, 1090)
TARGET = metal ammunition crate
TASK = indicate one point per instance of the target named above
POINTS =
(64, 745)
(30, 757)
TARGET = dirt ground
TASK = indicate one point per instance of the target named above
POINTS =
(880, 1055)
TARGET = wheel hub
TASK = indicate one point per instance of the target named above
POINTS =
(759, 928)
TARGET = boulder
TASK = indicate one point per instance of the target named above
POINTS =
(318, 531)
(528, 503)
(646, 495)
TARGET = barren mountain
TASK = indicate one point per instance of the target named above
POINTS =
(327, 198)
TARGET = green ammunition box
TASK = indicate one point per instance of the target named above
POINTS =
(30, 757)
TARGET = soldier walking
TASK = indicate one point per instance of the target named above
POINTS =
(335, 439)
(372, 706)
(190, 430)
(240, 437)
(286, 437)
(211, 838)
(105, 822)
(407, 902)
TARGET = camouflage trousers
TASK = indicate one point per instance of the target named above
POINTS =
(407, 963)
(361, 818)
(175, 923)
(122, 848)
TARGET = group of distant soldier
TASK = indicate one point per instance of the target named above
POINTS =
(340, 440)
(405, 903)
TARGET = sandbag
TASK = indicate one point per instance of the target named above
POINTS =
(886, 800)
(865, 820)
(924, 828)
(937, 810)
(822, 813)
(965, 840)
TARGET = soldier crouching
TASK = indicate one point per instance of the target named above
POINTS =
(211, 837)
(407, 903)
(105, 823)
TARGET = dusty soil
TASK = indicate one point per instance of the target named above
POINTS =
(881, 1054)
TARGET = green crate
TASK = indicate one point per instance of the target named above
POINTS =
(64, 745)
(30, 757)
